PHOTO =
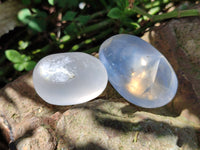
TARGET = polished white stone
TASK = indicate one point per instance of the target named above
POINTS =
(69, 78)
(138, 71)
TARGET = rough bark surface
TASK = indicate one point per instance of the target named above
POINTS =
(109, 122)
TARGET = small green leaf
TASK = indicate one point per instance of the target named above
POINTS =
(53, 36)
(38, 13)
(36, 51)
(24, 15)
(69, 16)
(75, 47)
(19, 67)
(114, 13)
(29, 65)
(83, 19)
(51, 2)
(61, 46)
(135, 25)
(38, 25)
(35, 21)
(88, 41)
(65, 38)
(25, 58)
(154, 10)
(14, 56)
(23, 44)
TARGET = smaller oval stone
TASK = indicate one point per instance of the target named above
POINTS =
(138, 71)
(69, 78)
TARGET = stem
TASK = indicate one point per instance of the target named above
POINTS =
(96, 27)
(91, 50)
(97, 14)
(91, 28)
(141, 11)
(156, 3)
(96, 38)
(175, 14)
(169, 15)
(142, 29)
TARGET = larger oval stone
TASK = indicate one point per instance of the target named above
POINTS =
(139, 72)
(69, 78)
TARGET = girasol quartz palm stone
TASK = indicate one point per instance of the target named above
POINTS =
(138, 71)
(69, 78)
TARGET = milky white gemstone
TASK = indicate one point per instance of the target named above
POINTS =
(69, 78)
(139, 72)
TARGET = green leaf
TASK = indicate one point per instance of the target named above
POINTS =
(53, 36)
(36, 51)
(25, 58)
(14, 56)
(114, 13)
(69, 16)
(51, 2)
(154, 10)
(75, 47)
(38, 25)
(35, 21)
(19, 67)
(65, 38)
(61, 46)
(38, 20)
(29, 65)
(135, 25)
(88, 41)
(23, 44)
(24, 15)
(83, 19)
(38, 13)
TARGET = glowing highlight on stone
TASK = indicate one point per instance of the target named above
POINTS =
(138, 71)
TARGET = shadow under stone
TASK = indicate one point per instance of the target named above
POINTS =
(157, 128)
(3, 142)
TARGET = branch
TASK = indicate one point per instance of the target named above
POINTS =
(175, 14)
(169, 15)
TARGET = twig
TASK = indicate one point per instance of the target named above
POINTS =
(95, 38)
(175, 14)
(169, 15)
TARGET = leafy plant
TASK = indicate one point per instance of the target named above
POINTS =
(34, 18)
(55, 26)
(20, 61)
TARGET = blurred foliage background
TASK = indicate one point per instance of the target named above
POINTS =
(53, 26)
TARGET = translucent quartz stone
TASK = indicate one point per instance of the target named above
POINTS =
(140, 73)
(69, 78)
